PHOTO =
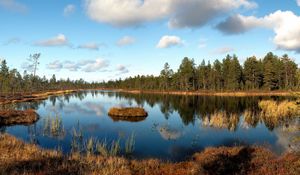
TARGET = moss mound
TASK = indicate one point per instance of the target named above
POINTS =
(126, 113)
(14, 117)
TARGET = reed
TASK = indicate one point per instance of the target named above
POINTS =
(109, 150)
(53, 127)
(129, 144)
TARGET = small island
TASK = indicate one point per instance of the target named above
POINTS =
(13, 117)
(128, 114)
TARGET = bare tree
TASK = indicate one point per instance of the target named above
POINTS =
(34, 62)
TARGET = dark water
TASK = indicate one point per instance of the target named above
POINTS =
(176, 127)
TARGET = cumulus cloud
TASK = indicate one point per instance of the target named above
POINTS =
(126, 40)
(59, 40)
(69, 9)
(122, 69)
(195, 13)
(83, 65)
(95, 66)
(223, 50)
(13, 5)
(169, 41)
(181, 14)
(55, 65)
(238, 24)
(27, 66)
(298, 3)
(90, 46)
(285, 24)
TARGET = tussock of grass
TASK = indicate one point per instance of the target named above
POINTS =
(13, 117)
(19, 158)
(128, 114)
(278, 110)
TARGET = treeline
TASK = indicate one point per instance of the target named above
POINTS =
(269, 73)
(11, 81)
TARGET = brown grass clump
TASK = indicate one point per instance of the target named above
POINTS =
(128, 112)
(19, 158)
(278, 110)
(13, 117)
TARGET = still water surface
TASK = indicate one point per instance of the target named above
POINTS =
(176, 127)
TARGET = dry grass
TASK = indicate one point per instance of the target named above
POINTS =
(13, 117)
(16, 98)
(278, 110)
(127, 112)
(19, 158)
(214, 93)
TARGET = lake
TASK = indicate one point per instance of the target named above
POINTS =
(176, 126)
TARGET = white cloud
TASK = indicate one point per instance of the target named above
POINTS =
(298, 3)
(285, 24)
(95, 66)
(27, 66)
(122, 69)
(71, 66)
(126, 40)
(59, 40)
(91, 46)
(181, 14)
(169, 41)
(55, 65)
(13, 5)
(82, 65)
(69, 9)
(223, 50)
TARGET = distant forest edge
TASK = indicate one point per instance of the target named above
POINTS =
(269, 73)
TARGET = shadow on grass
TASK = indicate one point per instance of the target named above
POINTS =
(230, 164)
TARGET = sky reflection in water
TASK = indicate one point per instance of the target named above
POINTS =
(176, 126)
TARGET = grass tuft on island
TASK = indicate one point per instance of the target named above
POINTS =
(18, 157)
(13, 117)
(128, 112)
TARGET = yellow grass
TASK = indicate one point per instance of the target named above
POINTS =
(214, 93)
(19, 158)
(128, 112)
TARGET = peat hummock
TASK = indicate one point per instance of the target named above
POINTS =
(14, 117)
(128, 114)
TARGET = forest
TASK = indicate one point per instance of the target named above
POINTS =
(12, 81)
(269, 73)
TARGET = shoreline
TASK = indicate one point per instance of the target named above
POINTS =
(17, 98)
(213, 93)
(19, 157)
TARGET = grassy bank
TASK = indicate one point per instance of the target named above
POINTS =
(19, 158)
(19, 97)
(214, 93)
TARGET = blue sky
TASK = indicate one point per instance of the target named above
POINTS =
(106, 39)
